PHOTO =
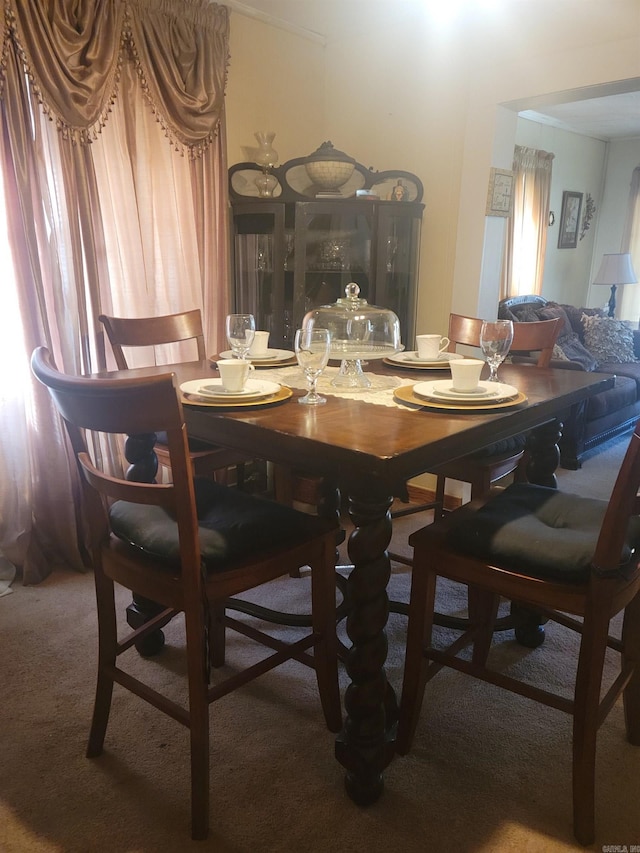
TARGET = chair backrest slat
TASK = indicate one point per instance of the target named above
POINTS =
(539, 336)
(153, 331)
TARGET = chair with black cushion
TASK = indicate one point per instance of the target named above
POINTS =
(574, 560)
(486, 467)
(188, 546)
(151, 332)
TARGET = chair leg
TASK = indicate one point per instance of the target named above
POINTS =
(107, 644)
(585, 719)
(631, 657)
(420, 624)
(323, 609)
(217, 635)
(198, 722)
(439, 510)
(483, 609)
(221, 476)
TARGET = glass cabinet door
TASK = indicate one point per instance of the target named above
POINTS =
(290, 257)
(332, 248)
(398, 249)
(259, 267)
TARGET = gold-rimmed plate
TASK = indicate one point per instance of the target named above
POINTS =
(274, 357)
(411, 361)
(278, 397)
(405, 394)
(486, 392)
(213, 389)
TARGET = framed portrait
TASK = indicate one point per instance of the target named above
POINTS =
(569, 220)
(499, 197)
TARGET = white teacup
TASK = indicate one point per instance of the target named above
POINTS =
(260, 345)
(430, 346)
(234, 373)
(465, 373)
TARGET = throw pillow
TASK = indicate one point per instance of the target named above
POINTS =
(558, 353)
(608, 340)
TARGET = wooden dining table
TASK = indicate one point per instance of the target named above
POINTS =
(369, 451)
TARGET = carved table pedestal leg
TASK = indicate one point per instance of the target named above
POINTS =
(366, 744)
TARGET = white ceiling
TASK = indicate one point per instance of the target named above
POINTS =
(614, 116)
(611, 117)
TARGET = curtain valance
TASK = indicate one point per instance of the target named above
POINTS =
(532, 158)
(73, 50)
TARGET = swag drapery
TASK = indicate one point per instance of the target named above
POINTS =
(113, 162)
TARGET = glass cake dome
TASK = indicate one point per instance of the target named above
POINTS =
(359, 332)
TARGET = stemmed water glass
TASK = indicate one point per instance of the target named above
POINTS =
(495, 340)
(241, 329)
(312, 348)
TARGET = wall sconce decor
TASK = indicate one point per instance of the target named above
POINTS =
(589, 213)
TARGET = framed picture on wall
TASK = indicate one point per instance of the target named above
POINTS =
(500, 195)
(569, 220)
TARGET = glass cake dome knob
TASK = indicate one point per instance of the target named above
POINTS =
(359, 332)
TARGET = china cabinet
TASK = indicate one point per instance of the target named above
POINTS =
(298, 248)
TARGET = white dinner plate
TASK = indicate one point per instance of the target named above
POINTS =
(486, 391)
(414, 359)
(212, 389)
(272, 355)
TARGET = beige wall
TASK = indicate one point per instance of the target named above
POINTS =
(408, 96)
(276, 82)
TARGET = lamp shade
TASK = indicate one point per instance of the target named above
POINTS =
(616, 269)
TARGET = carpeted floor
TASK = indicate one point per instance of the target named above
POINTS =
(489, 771)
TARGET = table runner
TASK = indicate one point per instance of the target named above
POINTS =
(379, 394)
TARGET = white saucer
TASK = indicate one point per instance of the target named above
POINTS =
(272, 355)
(212, 389)
(414, 359)
(443, 390)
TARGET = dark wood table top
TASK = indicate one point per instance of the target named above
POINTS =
(352, 440)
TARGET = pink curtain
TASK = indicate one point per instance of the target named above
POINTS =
(114, 170)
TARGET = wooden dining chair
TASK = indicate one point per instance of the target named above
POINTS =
(564, 556)
(486, 467)
(188, 546)
(151, 332)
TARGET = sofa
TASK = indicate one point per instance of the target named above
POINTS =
(589, 340)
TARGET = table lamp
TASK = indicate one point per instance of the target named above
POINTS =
(615, 269)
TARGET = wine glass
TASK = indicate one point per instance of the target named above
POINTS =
(312, 348)
(495, 340)
(241, 329)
